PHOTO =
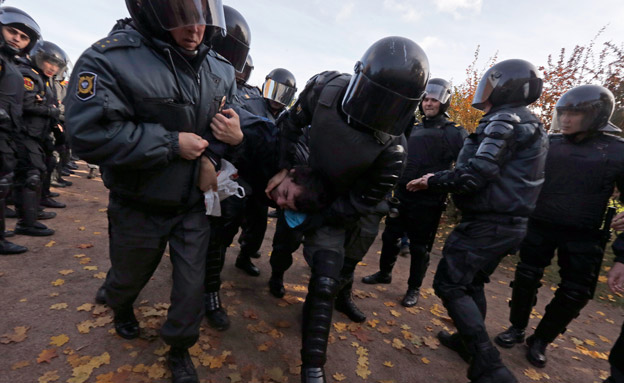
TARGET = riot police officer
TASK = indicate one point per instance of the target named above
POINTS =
(584, 165)
(144, 103)
(356, 141)
(616, 284)
(496, 181)
(432, 146)
(19, 33)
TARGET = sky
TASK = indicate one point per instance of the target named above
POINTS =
(310, 36)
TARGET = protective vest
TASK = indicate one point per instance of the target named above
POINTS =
(11, 97)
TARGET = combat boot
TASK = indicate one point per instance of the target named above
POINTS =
(312, 375)
(9, 248)
(49, 202)
(487, 366)
(244, 263)
(100, 296)
(509, 338)
(35, 230)
(537, 351)
(181, 366)
(276, 286)
(215, 314)
(411, 297)
(42, 215)
(378, 277)
(126, 324)
(455, 343)
(344, 304)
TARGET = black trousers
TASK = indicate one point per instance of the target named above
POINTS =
(470, 255)
(285, 242)
(137, 242)
(254, 225)
(420, 223)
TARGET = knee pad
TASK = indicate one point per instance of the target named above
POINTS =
(327, 263)
(572, 296)
(324, 288)
(33, 180)
(527, 274)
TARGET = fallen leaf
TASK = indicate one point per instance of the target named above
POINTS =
(604, 339)
(235, 377)
(50, 244)
(398, 344)
(85, 260)
(250, 314)
(50, 376)
(395, 313)
(85, 307)
(79, 255)
(19, 335)
(47, 355)
(99, 275)
(276, 374)
(58, 306)
(388, 364)
(66, 272)
(89, 268)
(425, 360)
(339, 377)
(390, 304)
(84, 246)
(18, 365)
(59, 340)
(431, 342)
(602, 279)
(58, 282)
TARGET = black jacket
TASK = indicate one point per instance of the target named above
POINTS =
(128, 98)
(500, 169)
(40, 105)
(11, 99)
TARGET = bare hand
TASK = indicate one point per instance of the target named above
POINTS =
(226, 127)
(207, 175)
(60, 127)
(191, 145)
(616, 278)
(419, 183)
(618, 222)
(274, 181)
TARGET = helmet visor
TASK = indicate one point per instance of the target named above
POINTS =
(278, 92)
(234, 50)
(377, 107)
(172, 14)
(438, 92)
(41, 58)
(570, 121)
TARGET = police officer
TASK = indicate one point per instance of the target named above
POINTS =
(144, 103)
(584, 165)
(41, 110)
(616, 284)
(19, 33)
(496, 181)
(432, 146)
(356, 142)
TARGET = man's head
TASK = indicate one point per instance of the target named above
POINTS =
(19, 31)
(183, 21)
(437, 98)
(302, 190)
(243, 76)
(49, 57)
(430, 107)
(583, 111)
(280, 87)
(235, 45)
(387, 86)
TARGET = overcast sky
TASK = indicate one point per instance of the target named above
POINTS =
(310, 36)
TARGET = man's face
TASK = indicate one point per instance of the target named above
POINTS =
(49, 68)
(431, 107)
(189, 37)
(285, 194)
(571, 121)
(15, 38)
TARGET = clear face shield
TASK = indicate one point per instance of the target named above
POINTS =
(568, 121)
(438, 92)
(278, 92)
(484, 90)
(172, 14)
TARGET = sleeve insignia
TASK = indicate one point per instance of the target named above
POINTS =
(87, 82)
(29, 84)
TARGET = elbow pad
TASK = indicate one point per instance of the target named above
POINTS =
(494, 146)
(391, 163)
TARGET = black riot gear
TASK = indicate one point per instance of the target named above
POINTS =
(439, 89)
(50, 52)
(235, 45)
(280, 85)
(243, 76)
(515, 81)
(595, 102)
(387, 86)
(19, 19)
(157, 18)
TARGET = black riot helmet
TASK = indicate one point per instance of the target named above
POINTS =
(594, 105)
(157, 17)
(387, 86)
(18, 19)
(509, 82)
(438, 89)
(280, 86)
(50, 52)
(243, 76)
(235, 45)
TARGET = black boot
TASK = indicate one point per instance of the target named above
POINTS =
(100, 296)
(537, 351)
(344, 304)
(49, 202)
(312, 375)
(42, 215)
(126, 324)
(487, 366)
(411, 297)
(6, 247)
(510, 337)
(181, 366)
(215, 314)
(378, 277)
(244, 263)
(276, 286)
(9, 248)
(255, 255)
(455, 343)
(37, 229)
(9, 213)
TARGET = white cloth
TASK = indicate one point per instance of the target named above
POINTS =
(227, 186)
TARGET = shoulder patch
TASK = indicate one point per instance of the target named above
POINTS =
(29, 84)
(87, 85)
(117, 40)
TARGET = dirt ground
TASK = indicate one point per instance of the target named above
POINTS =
(51, 330)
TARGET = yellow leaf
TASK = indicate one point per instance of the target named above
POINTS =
(85, 307)
(58, 306)
(103, 210)
(81, 228)
(590, 342)
(602, 279)
(60, 340)
(425, 360)
(339, 377)
(50, 376)
(90, 268)
(390, 304)
(395, 313)
(340, 327)
(600, 313)
(58, 282)
(397, 343)
(388, 364)
(18, 365)
(85, 260)
(604, 339)
(99, 275)
(96, 233)
(66, 272)
(50, 244)
(79, 256)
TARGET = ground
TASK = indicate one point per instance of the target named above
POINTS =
(51, 330)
